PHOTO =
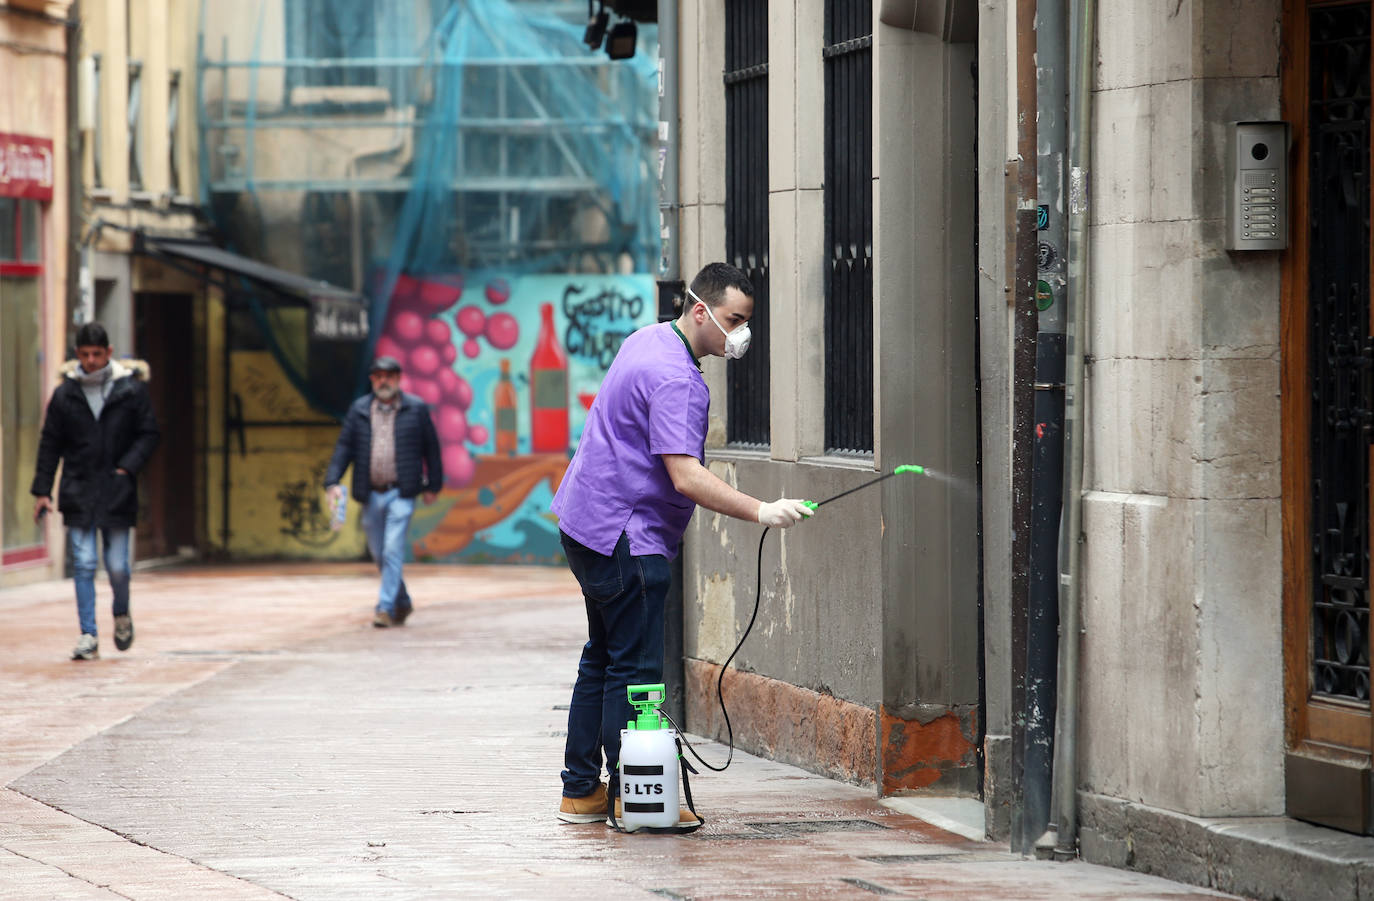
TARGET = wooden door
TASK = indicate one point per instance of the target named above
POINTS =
(1328, 414)
(163, 337)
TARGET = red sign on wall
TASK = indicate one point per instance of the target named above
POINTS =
(26, 167)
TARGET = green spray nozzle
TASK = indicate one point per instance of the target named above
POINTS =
(647, 717)
(909, 467)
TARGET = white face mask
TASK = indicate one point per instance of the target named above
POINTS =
(736, 342)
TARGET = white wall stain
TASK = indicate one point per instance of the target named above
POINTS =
(789, 597)
(728, 473)
(716, 632)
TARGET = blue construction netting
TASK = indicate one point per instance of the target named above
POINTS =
(391, 147)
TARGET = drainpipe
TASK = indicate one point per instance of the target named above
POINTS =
(1021, 236)
(668, 149)
(670, 285)
(1075, 432)
(1047, 468)
(75, 187)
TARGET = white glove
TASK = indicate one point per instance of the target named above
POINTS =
(783, 512)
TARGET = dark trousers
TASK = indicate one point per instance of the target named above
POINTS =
(624, 599)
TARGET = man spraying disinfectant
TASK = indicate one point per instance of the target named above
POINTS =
(650, 745)
(623, 505)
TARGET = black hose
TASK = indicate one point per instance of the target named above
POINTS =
(758, 597)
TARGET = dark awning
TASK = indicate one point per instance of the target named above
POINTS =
(336, 314)
(278, 281)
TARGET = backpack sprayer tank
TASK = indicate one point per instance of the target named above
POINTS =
(648, 763)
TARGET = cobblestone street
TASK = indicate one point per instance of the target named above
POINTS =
(260, 740)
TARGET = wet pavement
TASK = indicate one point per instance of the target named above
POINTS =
(261, 740)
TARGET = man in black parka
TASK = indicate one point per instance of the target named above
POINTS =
(100, 425)
(389, 439)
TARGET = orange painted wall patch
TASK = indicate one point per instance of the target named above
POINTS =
(916, 755)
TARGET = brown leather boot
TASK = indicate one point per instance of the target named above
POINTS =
(591, 809)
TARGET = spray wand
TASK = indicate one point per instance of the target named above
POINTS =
(758, 596)
(905, 467)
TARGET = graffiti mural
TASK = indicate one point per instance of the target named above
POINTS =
(509, 367)
(303, 512)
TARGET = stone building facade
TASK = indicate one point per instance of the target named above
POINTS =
(34, 265)
(1224, 640)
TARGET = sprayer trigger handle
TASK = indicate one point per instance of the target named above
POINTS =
(810, 505)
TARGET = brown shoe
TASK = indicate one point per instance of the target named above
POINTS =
(382, 620)
(686, 820)
(591, 809)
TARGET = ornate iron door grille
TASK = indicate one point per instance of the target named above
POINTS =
(1340, 348)
(746, 210)
(848, 56)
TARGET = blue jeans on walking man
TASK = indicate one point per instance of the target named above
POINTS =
(84, 559)
(386, 521)
(624, 597)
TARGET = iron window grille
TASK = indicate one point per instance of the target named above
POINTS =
(135, 127)
(98, 137)
(21, 237)
(173, 142)
(848, 61)
(1340, 350)
(746, 210)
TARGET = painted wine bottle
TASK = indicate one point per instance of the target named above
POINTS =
(504, 403)
(548, 389)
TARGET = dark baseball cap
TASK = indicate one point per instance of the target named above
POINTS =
(385, 364)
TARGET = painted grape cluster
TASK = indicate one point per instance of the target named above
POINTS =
(423, 342)
(500, 329)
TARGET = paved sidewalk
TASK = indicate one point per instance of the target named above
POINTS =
(261, 740)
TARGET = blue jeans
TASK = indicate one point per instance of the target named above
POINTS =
(624, 599)
(386, 519)
(83, 546)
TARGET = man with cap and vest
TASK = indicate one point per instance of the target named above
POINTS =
(389, 439)
(623, 505)
(100, 426)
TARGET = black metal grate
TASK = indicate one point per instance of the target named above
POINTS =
(868, 886)
(799, 827)
(1339, 350)
(848, 56)
(746, 209)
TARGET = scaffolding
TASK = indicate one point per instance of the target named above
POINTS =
(360, 142)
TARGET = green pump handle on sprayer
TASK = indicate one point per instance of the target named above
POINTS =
(647, 715)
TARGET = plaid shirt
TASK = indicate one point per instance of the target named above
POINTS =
(382, 466)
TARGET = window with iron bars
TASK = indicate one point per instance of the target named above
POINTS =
(97, 139)
(848, 61)
(746, 210)
(174, 131)
(337, 30)
(135, 125)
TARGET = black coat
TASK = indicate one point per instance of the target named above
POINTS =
(92, 494)
(418, 464)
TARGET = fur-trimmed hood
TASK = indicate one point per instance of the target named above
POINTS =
(119, 369)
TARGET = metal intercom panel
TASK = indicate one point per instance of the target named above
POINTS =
(1257, 186)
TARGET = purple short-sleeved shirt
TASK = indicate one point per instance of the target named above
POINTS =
(653, 401)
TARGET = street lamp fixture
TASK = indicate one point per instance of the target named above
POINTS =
(620, 43)
(596, 26)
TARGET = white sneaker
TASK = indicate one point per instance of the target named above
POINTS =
(87, 648)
